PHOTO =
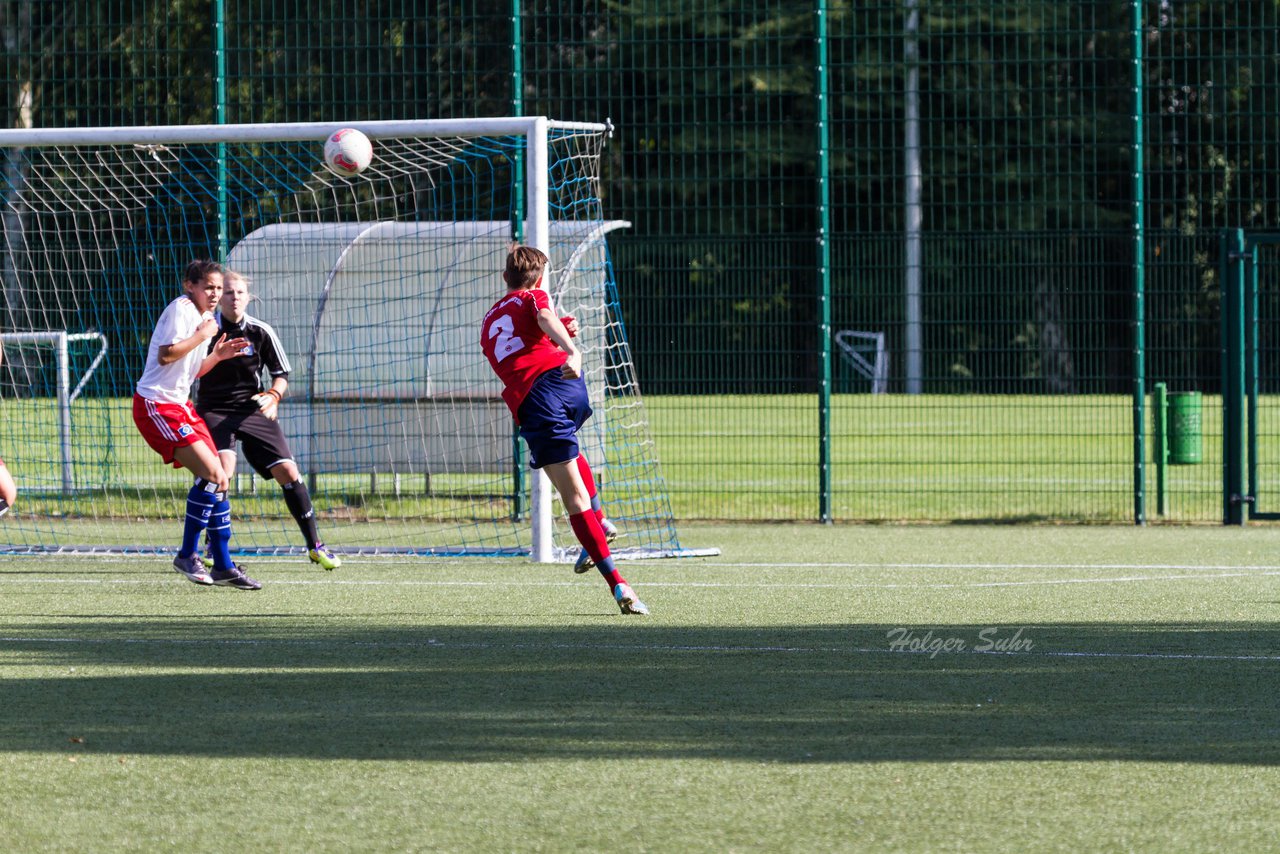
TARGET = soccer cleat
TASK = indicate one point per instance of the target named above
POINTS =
(193, 569)
(584, 561)
(234, 577)
(324, 557)
(628, 601)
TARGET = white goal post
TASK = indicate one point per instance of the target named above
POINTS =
(64, 395)
(98, 223)
(855, 345)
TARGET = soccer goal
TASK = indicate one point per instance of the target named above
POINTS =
(865, 354)
(33, 374)
(376, 285)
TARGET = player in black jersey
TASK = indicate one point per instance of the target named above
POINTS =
(234, 404)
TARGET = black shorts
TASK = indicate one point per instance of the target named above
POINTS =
(265, 446)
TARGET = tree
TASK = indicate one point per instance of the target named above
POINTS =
(15, 31)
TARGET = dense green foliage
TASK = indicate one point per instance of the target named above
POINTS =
(1026, 118)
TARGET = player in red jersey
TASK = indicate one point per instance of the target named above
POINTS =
(8, 489)
(533, 353)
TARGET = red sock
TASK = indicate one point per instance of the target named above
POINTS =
(588, 531)
(589, 480)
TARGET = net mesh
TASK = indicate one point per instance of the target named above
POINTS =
(375, 285)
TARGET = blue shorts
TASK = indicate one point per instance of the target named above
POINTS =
(550, 416)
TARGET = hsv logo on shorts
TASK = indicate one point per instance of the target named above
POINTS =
(186, 430)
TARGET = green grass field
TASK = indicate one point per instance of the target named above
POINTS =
(928, 458)
(503, 706)
(736, 458)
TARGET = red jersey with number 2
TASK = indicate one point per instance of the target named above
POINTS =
(516, 346)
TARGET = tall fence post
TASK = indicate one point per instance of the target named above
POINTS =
(1233, 333)
(220, 117)
(821, 80)
(913, 209)
(1160, 441)
(518, 482)
(1251, 366)
(1139, 281)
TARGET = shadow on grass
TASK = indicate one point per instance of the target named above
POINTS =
(244, 688)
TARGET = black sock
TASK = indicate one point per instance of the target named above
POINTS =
(298, 500)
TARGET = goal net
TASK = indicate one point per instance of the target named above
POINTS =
(376, 286)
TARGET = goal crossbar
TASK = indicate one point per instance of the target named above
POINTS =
(287, 132)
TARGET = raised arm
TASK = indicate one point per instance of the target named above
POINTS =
(170, 353)
(224, 349)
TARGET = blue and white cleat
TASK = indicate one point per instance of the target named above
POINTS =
(234, 577)
(628, 601)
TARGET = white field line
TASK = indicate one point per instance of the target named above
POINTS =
(435, 644)
(1210, 575)
(846, 565)
(686, 565)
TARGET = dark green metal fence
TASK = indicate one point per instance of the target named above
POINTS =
(1020, 201)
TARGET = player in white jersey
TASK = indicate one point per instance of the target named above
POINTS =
(165, 417)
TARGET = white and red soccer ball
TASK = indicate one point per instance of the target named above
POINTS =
(348, 152)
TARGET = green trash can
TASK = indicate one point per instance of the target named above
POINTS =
(1185, 428)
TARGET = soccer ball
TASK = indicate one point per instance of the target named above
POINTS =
(347, 153)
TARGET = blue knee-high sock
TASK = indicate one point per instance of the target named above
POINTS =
(200, 501)
(220, 532)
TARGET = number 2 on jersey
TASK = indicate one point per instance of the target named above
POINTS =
(503, 328)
